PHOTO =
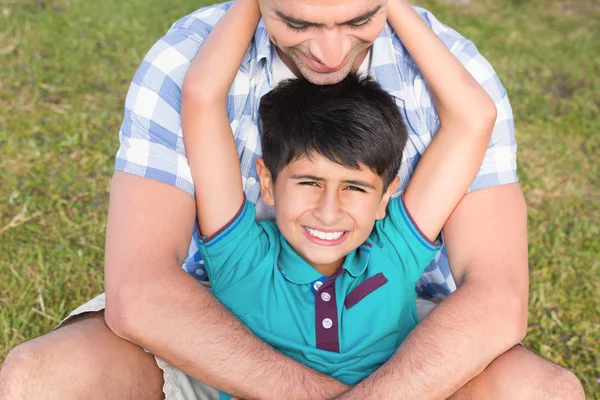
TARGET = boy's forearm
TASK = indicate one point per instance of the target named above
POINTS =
(215, 66)
(456, 94)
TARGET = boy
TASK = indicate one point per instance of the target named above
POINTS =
(331, 284)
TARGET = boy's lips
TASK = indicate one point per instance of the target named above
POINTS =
(332, 238)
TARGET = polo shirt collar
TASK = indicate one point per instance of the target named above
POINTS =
(296, 270)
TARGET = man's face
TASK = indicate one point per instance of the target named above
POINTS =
(323, 209)
(323, 40)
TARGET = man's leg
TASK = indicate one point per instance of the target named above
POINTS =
(82, 360)
(520, 374)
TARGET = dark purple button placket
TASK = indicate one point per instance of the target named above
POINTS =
(327, 316)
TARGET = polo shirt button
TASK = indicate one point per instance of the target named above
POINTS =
(251, 181)
(327, 323)
(325, 296)
(317, 285)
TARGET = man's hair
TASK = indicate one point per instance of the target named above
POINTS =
(354, 121)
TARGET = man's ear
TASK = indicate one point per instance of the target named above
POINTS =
(386, 198)
(266, 182)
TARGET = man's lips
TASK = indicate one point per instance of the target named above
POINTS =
(319, 67)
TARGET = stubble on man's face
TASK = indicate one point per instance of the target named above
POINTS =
(323, 40)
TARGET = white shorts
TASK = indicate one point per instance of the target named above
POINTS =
(178, 385)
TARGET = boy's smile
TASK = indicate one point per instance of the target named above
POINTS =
(323, 209)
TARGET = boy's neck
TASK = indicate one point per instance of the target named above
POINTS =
(328, 269)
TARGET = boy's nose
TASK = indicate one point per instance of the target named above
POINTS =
(329, 209)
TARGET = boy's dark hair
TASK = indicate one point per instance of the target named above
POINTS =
(354, 121)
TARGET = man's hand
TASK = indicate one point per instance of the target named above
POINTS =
(486, 239)
(153, 303)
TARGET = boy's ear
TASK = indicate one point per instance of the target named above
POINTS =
(386, 198)
(266, 182)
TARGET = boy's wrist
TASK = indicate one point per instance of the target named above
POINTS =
(397, 8)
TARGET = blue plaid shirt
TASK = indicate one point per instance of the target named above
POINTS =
(152, 143)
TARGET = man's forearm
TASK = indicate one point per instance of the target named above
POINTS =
(181, 322)
(456, 341)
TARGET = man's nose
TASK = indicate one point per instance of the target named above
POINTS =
(331, 47)
(329, 208)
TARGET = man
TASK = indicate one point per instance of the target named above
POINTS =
(467, 347)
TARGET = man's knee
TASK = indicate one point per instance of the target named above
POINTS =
(24, 368)
(566, 386)
(59, 363)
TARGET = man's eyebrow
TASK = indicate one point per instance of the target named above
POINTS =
(296, 21)
(363, 16)
(355, 20)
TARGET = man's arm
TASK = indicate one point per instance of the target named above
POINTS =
(486, 239)
(153, 303)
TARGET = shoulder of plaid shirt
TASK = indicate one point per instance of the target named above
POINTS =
(152, 143)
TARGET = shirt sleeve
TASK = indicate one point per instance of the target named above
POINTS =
(151, 143)
(499, 165)
(235, 250)
(398, 232)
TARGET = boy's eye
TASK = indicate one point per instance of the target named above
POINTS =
(356, 189)
(308, 183)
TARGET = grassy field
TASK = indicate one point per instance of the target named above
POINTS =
(65, 66)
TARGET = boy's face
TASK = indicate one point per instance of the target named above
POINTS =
(323, 40)
(323, 209)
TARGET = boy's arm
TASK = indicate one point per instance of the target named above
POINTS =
(467, 115)
(209, 141)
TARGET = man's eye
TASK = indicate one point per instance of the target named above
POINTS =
(361, 25)
(296, 27)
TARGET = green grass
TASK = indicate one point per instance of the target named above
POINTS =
(66, 65)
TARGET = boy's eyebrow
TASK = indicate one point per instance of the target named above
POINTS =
(360, 18)
(311, 177)
(360, 183)
(348, 181)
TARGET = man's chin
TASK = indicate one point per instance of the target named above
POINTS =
(319, 78)
(325, 79)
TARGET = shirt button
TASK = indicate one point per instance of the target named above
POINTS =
(317, 285)
(325, 296)
(251, 181)
(327, 323)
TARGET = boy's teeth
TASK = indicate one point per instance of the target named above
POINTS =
(325, 235)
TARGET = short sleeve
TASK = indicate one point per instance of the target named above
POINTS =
(151, 143)
(499, 165)
(236, 249)
(398, 233)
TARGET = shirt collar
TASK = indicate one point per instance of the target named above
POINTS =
(296, 270)
(389, 58)
(388, 53)
(261, 50)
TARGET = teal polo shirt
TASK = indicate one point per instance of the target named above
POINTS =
(345, 325)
